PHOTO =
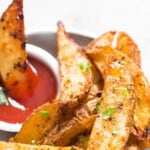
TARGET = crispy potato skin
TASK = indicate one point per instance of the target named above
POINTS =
(19, 146)
(37, 126)
(116, 77)
(16, 75)
(126, 45)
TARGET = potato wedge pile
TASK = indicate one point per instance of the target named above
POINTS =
(104, 101)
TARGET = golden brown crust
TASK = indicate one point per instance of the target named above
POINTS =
(120, 41)
(126, 45)
(37, 126)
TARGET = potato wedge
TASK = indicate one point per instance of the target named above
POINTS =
(121, 41)
(75, 72)
(18, 146)
(126, 45)
(37, 124)
(16, 75)
(113, 123)
(63, 133)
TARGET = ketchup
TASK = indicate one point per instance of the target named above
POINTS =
(43, 89)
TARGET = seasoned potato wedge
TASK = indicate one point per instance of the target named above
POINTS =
(75, 72)
(121, 41)
(16, 75)
(38, 123)
(141, 92)
(63, 133)
(114, 120)
(18, 146)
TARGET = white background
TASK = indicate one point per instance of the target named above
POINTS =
(92, 16)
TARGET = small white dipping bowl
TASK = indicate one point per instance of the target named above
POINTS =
(47, 59)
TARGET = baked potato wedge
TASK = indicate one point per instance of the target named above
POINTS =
(141, 92)
(124, 43)
(16, 75)
(19, 146)
(113, 123)
(38, 124)
(63, 133)
(121, 41)
(74, 69)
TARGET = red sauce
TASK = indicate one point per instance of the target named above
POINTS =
(45, 89)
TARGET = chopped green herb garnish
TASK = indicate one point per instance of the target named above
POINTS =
(108, 112)
(3, 98)
(85, 66)
(33, 142)
(74, 101)
(97, 107)
(44, 113)
(124, 91)
(82, 139)
(114, 131)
